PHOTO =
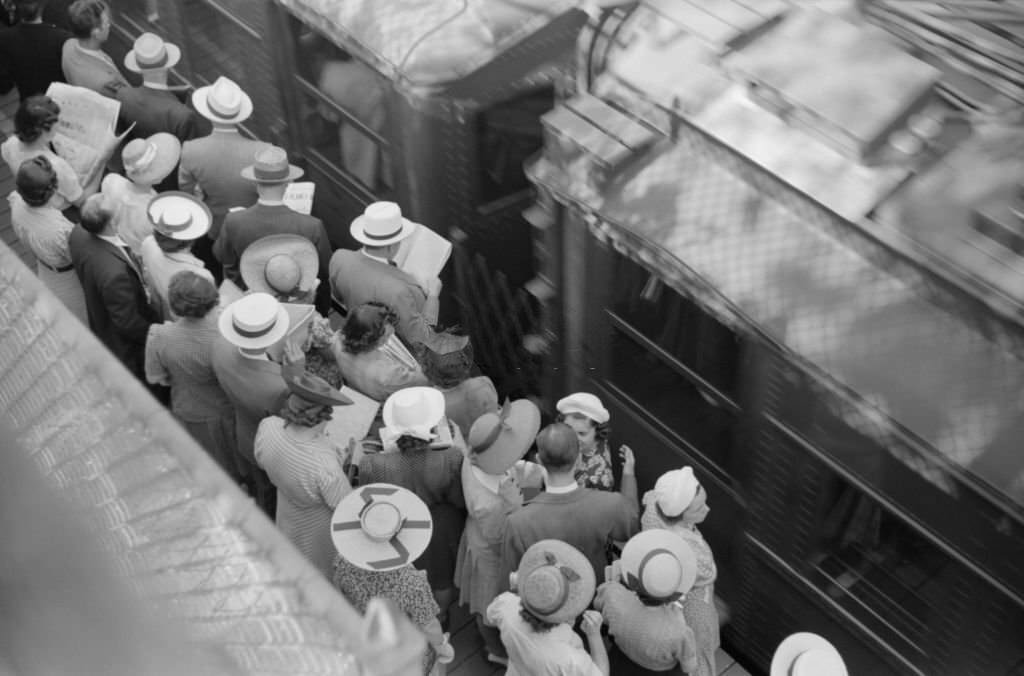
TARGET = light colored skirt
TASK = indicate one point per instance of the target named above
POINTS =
(66, 287)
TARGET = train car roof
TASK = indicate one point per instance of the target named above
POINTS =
(427, 42)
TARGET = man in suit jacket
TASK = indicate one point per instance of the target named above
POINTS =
(84, 62)
(30, 52)
(371, 275)
(212, 166)
(153, 107)
(116, 302)
(253, 382)
(271, 174)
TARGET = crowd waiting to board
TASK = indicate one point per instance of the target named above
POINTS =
(434, 502)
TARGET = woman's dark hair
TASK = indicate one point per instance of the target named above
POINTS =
(446, 370)
(298, 411)
(191, 295)
(537, 624)
(85, 16)
(171, 245)
(601, 430)
(28, 10)
(35, 116)
(408, 444)
(365, 327)
(36, 181)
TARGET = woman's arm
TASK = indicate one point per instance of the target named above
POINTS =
(591, 626)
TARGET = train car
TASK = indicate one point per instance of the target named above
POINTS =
(820, 315)
(432, 105)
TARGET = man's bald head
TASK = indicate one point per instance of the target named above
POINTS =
(557, 447)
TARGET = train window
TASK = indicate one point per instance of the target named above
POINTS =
(508, 134)
(343, 109)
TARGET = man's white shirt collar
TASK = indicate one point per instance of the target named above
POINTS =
(270, 203)
(376, 258)
(561, 489)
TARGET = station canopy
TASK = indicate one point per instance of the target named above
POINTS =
(427, 42)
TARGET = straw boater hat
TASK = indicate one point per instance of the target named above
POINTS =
(315, 390)
(223, 101)
(807, 654)
(414, 411)
(381, 527)
(179, 215)
(498, 440)
(585, 404)
(254, 322)
(150, 160)
(381, 224)
(675, 490)
(270, 167)
(280, 264)
(150, 52)
(658, 565)
(555, 582)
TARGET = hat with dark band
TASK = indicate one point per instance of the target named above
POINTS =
(223, 101)
(658, 565)
(254, 322)
(271, 167)
(498, 440)
(280, 264)
(150, 52)
(555, 581)
(179, 215)
(381, 527)
(381, 224)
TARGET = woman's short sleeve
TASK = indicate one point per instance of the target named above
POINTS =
(67, 180)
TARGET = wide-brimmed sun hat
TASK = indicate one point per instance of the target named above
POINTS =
(280, 264)
(270, 166)
(415, 412)
(658, 565)
(152, 159)
(254, 322)
(381, 527)
(555, 581)
(381, 224)
(315, 390)
(151, 52)
(675, 490)
(498, 440)
(223, 101)
(807, 654)
(179, 215)
(585, 404)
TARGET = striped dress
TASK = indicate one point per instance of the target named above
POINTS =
(310, 483)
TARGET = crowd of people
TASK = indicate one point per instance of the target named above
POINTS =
(436, 504)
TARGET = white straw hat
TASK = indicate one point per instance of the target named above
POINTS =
(254, 322)
(381, 224)
(807, 654)
(179, 215)
(151, 52)
(223, 101)
(414, 411)
(381, 527)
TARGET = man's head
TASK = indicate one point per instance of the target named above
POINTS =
(557, 448)
(97, 217)
(90, 20)
(29, 10)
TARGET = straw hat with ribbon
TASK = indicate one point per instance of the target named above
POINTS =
(414, 412)
(283, 265)
(807, 654)
(223, 102)
(150, 52)
(271, 167)
(555, 582)
(254, 322)
(381, 527)
(179, 215)
(498, 440)
(381, 224)
(150, 160)
(658, 565)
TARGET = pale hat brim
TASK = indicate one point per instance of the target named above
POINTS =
(364, 552)
(227, 329)
(521, 427)
(432, 399)
(585, 404)
(253, 263)
(168, 153)
(581, 591)
(641, 544)
(173, 57)
(358, 232)
(201, 216)
(795, 645)
(294, 174)
(200, 100)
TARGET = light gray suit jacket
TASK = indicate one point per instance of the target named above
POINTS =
(214, 163)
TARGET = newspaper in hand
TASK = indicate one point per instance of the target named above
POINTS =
(423, 254)
(299, 197)
(85, 135)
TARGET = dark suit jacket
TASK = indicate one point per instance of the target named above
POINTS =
(30, 57)
(119, 312)
(155, 110)
(357, 279)
(242, 228)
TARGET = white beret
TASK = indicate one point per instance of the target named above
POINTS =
(585, 404)
(675, 491)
